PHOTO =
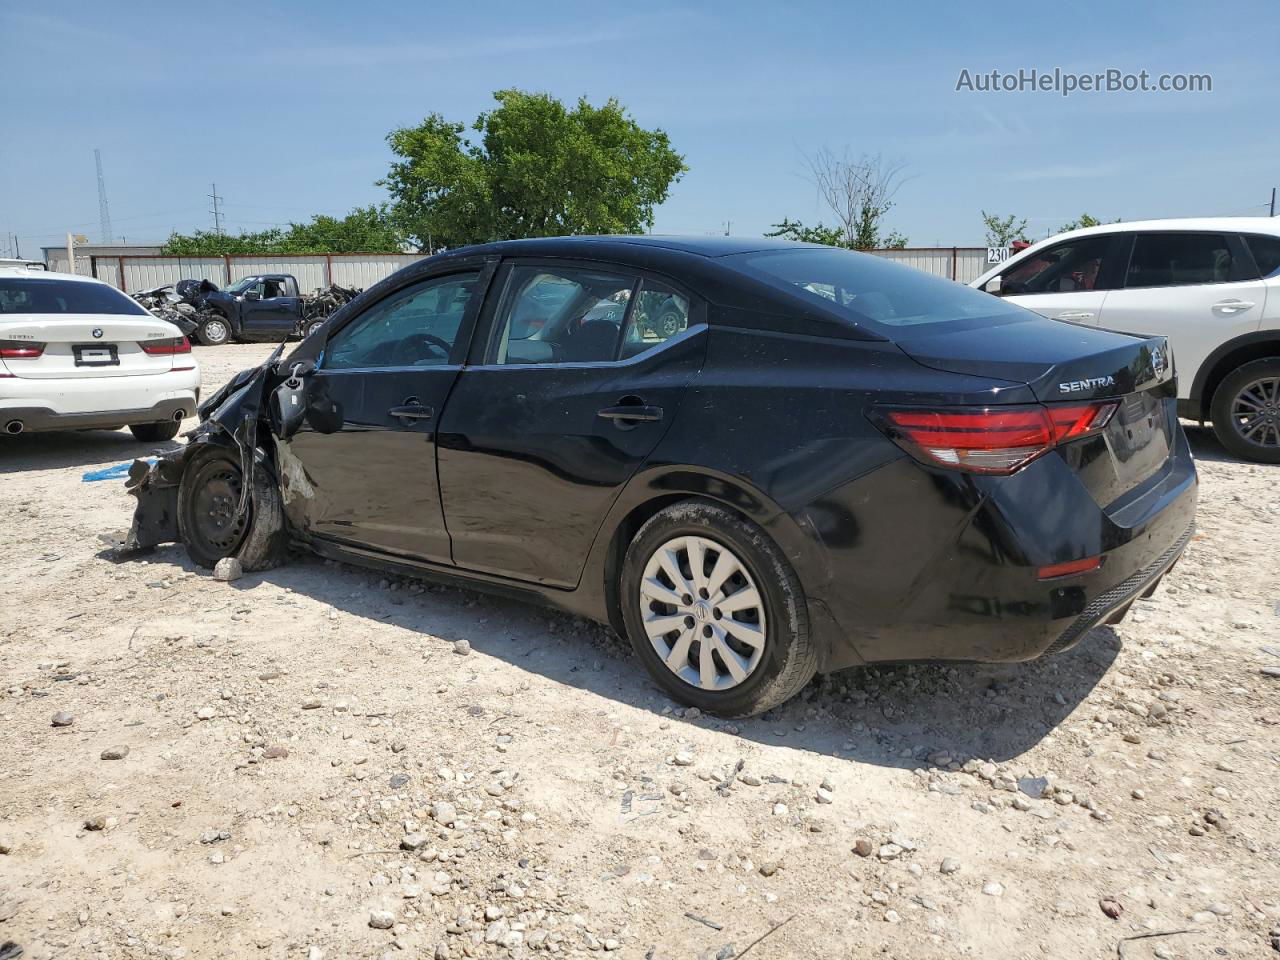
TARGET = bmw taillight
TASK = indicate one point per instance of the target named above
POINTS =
(166, 347)
(20, 349)
(996, 440)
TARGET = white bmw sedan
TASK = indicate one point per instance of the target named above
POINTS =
(76, 354)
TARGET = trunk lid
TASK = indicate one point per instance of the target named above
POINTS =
(87, 345)
(1065, 363)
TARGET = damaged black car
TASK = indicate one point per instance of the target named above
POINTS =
(756, 460)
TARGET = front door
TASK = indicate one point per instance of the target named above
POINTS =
(581, 375)
(362, 470)
(266, 313)
(1068, 281)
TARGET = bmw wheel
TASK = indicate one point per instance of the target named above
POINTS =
(209, 523)
(715, 612)
(214, 331)
(1246, 411)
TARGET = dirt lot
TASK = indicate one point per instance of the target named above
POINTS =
(320, 763)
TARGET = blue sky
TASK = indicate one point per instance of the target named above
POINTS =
(286, 106)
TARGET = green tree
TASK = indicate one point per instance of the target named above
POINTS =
(363, 230)
(536, 168)
(795, 230)
(1084, 221)
(1002, 231)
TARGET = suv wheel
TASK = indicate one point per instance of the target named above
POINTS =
(1246, 411)
(214, 331)
(715, 612)
(208, 523)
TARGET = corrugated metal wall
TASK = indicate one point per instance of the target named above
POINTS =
(143, 273)
(364, 270)
(968, 263)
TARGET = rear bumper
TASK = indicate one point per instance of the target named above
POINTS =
(945, 567)
(42, 418)
(92, 403)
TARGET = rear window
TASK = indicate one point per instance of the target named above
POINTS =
(873, 291)
(31, 295)
(1266, 253)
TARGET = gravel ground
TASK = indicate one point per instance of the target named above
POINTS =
(316, 762)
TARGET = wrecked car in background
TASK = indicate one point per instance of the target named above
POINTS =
(755, 459)
(265, 306)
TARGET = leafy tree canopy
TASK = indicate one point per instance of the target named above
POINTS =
(363, 230)
(535, 168)
(1002, 231)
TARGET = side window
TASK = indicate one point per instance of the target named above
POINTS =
(660, 313)
(1266, 253)
(1066, 268)
(561, 315)
(414, 327)
(1178, 259)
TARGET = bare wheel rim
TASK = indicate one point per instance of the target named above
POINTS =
(703, 613)
(1255, 412)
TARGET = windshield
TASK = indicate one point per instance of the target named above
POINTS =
(240, 286)
(873, 291)
(34, 295)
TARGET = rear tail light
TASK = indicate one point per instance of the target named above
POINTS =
(996, 440)
(20, 349)
(167, 347)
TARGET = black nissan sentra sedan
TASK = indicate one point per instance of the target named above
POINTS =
(755, 459)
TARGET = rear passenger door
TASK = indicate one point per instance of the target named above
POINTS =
(577, 372)
(1199, 289)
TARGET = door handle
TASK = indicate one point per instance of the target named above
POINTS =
(1073, 315)
(625, 412)
(1233, 306)
(411, 411)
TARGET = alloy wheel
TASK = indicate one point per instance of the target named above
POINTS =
(703, 613)
(1255, 412)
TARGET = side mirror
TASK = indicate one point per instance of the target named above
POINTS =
(992, 286)
(253, 295)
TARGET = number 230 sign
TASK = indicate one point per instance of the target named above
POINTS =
(997, 254)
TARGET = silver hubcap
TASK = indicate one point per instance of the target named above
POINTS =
(1256, 412)
(703, 613)
(214, 330)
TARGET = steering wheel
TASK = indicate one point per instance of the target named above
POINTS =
(410, 348)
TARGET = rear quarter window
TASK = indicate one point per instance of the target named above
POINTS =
(874, 292)
(1266, 253)
(51, 296)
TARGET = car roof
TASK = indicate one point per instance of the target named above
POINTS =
(621, 246)
(7, 270)
(1234, 224)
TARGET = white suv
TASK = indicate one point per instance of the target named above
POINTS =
(76, 353)
(1212, 286)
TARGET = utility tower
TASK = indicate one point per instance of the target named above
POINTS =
(217, 213)
(104, 211)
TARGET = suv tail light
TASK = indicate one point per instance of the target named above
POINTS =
(996, 440)
(20, 349)
(166, 347)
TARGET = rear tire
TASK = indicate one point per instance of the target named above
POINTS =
(1246, 411)
(207, 522)
(155, 432)
(214, 331)
(759, 650)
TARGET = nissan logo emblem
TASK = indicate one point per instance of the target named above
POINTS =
(97, 333)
